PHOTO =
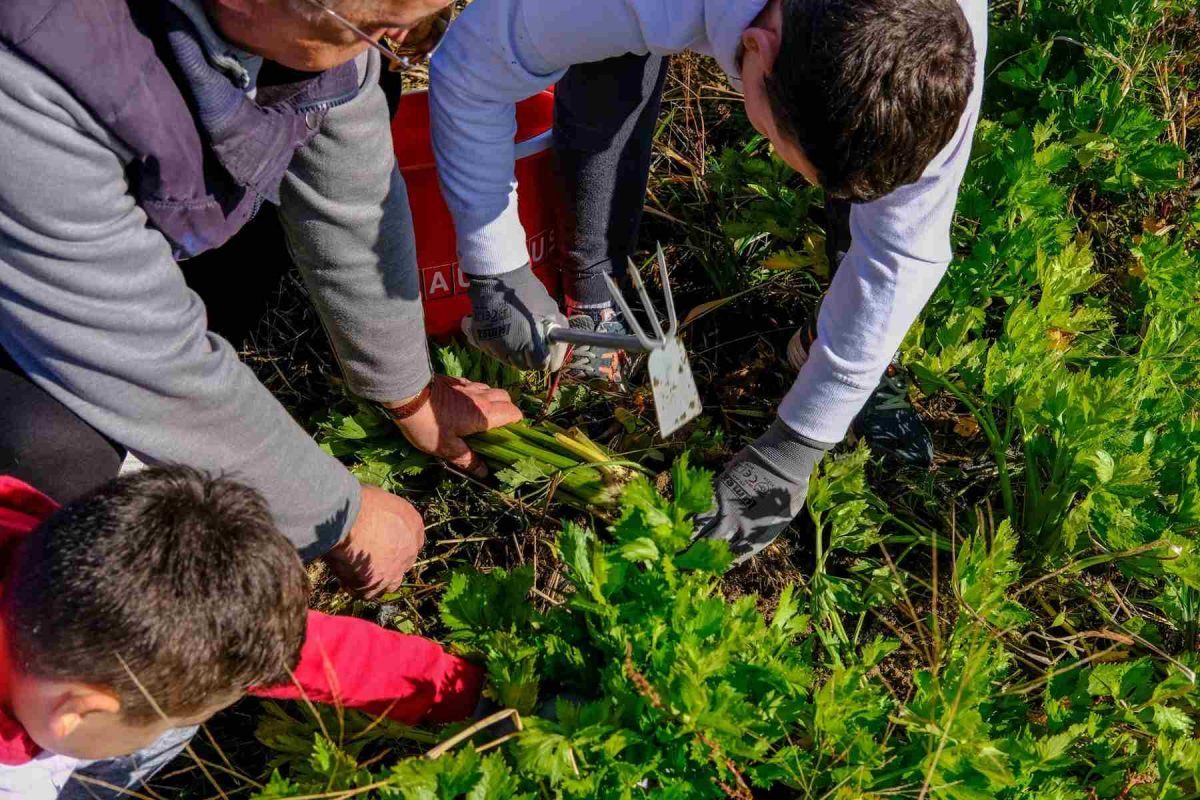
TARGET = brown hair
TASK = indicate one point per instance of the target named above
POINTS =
(182, 576)
(871, 90)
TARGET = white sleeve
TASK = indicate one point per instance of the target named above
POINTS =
(486, 64)
(43, 778)
(900, 248)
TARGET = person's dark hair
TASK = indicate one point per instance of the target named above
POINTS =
(182, 576)
(871, 90)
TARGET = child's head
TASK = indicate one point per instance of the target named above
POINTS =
(859, 95)
(163, 588)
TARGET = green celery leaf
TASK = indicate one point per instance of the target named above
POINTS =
(708, 555)
(543, 752)
(641, 549)
(496, 781)
(523, 471)
(693, 487)
(459, 773)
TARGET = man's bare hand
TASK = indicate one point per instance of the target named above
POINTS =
(388, 534)
(458, 407)
(381, 546)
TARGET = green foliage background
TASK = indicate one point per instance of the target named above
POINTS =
(1052, 657)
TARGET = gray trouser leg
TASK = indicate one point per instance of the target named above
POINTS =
(604, 118)
(127, 772)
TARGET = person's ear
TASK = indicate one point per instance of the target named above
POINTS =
(76, 705)
(762, 43)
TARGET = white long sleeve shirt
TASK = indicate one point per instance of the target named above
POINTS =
(501, 51)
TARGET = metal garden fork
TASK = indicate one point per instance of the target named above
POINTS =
(676, 400)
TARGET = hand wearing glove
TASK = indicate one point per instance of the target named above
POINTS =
(507, 315)
(762, 490)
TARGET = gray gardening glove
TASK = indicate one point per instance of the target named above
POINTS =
(761, 490)
(508, 315)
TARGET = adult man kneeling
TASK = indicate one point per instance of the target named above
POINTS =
(139, 134)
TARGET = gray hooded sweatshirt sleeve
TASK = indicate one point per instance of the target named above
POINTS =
(96, 311)
(345, 211)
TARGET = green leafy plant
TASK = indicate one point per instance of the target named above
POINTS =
(644, 681)
(1024, 634)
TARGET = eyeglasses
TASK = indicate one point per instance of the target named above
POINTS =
(439, 23)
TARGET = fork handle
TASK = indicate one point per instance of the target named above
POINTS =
(611, 341)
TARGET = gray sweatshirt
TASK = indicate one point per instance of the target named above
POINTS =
(96, 311)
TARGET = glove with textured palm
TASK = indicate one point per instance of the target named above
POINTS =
(761, 490)
(508, 314)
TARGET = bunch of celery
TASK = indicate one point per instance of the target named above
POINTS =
(587, 476)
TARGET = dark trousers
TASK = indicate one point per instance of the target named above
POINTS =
(44, 444)
(605, 114)
(604, 118)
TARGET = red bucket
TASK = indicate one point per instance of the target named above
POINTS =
(443, 286)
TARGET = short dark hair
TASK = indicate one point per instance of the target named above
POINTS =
(182, 576)
(871, 90)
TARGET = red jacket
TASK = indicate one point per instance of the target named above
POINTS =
(345, 660)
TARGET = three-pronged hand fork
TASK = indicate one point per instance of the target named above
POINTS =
(676, 400)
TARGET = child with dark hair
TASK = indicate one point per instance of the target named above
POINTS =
(136, 612)
(876, 101)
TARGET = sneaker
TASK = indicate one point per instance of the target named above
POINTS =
(593, 365)
(798, 345)
(888, 422)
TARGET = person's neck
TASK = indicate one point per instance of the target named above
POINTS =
(272, 33)
(223, 22)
